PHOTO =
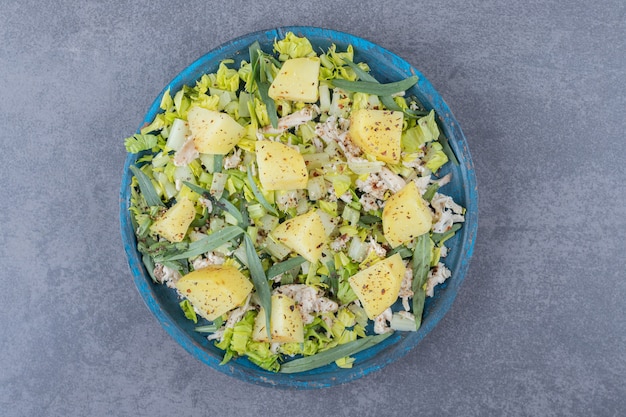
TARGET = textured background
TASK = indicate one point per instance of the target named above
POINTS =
(539, 327)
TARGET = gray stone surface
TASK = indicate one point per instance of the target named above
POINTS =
(539, 327)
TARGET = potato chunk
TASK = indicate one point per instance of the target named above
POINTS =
(406, 215)
(379, 285)
(304, 234)
(297, 80)
(215, 290)
(378, 133)
(213, 132)
(285, 322)
(173, 224)
(281, 167)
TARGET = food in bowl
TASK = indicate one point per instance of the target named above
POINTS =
(293, 203)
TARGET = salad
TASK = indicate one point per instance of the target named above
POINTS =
(293, 203)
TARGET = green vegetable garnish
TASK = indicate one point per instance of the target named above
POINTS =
(146, 187)
(259, 279)
(375, 88)
(329, 356)
(421, 266)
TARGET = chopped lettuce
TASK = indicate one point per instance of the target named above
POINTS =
(293, 46)
(187, 308)
(138, 143)
(435, 156)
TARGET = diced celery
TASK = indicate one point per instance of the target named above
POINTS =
(307, 131)
(363, 166)
(324, 98)
(217, 184)
(184, 173)
(329, 207)
(205, 179)
(351, 215)
(277, 250)
(268, 222)
(208, 160)
(403, 322)
(357, 249)
(230, 219)
(168, 188)
(316, 188)
(329, 222)
(178, 134)
(256, 211)
(240, 254)
(244, 110)
(217, 223)
(316, 160)
(160, 159)
(349, 230)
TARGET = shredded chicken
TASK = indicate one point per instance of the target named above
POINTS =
(436, 276)
(232, 161)
(447, 212)
(375, 247)
(373, 185)
(340, 243)
(186, 154)
(206, 203)
(333, 130)
(293, 120)
(308, 300)
(381, 322)
(405, 288)
(166, 275)
(422, 183)
(368, 202)
(237, 314)
(210, 258)
(393, 181)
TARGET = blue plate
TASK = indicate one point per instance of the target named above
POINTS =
(386, 67)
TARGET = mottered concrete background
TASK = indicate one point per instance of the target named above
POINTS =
(539, 326)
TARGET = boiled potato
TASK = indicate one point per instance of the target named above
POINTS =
(378, 286)
(173, 224)
(378, 133)
(213, 132)
(304, 234)
(215, 290)
(285, 322)
(406, 215)
(281, 167)
(297, 80)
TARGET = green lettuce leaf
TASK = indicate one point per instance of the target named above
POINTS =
(138, 143)
(435, 156)
(293, 46)
(187, 308)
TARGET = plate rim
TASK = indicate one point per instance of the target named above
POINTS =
(400, 343)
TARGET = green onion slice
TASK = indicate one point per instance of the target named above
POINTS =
(259, 280)
(146, 187)
(329, 356)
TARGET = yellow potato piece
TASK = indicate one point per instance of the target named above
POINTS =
(378, 133)
(378, 286)
(304, 234)
(285, 322)
(281, 167)
(213, 132)
(406, 215)
(174, 223)
(297, 80)
(215, 290)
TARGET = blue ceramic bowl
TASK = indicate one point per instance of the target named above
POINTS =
(386, 67)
